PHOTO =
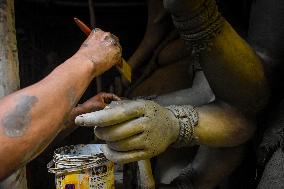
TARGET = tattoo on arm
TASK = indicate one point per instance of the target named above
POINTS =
(16, 122)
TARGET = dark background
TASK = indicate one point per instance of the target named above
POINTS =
(47, 35)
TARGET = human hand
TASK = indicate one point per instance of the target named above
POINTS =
(102, 49)
(97, 102)
(133, 130)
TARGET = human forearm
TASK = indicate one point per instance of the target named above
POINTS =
(35, 114)
(31, 117)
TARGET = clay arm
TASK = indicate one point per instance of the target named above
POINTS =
(202, 173)
(200, 93)
(137, 130)
(233, 69)
(235, 72)
(31, 117)
(220, 125)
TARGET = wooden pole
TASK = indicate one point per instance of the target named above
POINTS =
(9, 64)
(9, 75)
(93, 24)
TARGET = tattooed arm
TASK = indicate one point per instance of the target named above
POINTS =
(32, 117)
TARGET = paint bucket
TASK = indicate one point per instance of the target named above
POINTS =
(82, 167)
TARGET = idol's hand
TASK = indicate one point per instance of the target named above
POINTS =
(133, 130)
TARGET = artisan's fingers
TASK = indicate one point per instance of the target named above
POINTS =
(132, 143)
(124, 157)
(108, 97)
(111, 116)
(121, 131)
(96, 33)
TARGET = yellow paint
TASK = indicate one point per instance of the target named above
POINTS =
(88, 179)
(125, 70)
(81, 181)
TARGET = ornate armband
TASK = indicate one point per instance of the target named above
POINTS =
(199, 29)
(188, 119)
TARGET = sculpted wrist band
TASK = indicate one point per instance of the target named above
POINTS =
(198, 29)
(188, 119)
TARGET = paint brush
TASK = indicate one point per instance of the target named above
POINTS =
(83, 26)
(123, 68)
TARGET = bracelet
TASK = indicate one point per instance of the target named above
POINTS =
(188, 119)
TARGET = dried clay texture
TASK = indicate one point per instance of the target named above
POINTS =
(133, 130)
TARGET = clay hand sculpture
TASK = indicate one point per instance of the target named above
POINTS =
(133, 130)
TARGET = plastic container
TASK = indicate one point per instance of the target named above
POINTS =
(82, 167)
